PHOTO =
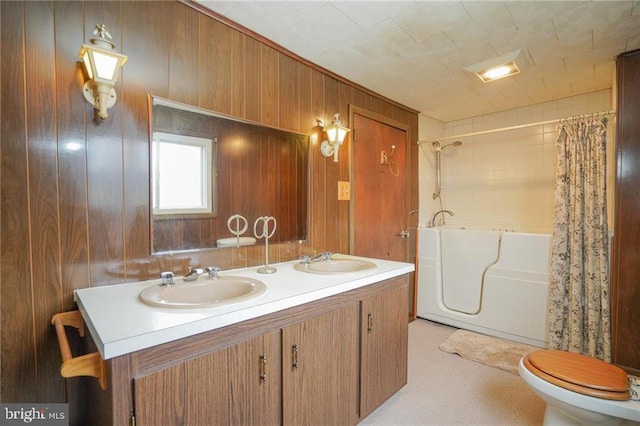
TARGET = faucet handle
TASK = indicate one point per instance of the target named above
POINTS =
(167, 278)
(305, 258)
(213, 272)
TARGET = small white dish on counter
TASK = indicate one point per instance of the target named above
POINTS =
(235, 241)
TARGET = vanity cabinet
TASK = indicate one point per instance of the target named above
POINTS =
(231, 386)
(331, 361)
(320, 369)
(384, 341)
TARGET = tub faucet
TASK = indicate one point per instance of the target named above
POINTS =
(432, 222)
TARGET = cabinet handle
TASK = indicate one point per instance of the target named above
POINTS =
(370, 323)
(263, 368)
(295, 356)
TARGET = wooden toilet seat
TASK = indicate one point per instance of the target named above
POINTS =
(579, 373)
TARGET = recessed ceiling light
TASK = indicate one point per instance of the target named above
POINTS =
(503, 66)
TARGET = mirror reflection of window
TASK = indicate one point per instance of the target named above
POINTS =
(182, 173)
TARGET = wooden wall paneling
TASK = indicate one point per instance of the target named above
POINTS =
(104, 164)
(72, 183)
(226, 179)
(181, 34)
(269, 86)
(100, 191)
(307, 121)
(253, 79)
(346, 99)
(333, 218)
(359, 98)
(273, 188)
(307, 118)
(238, 74)
(72, 173)
(215, 66)
(43, 194)
(288, 94)
(317, 188)
(18, 352)
(148, 47)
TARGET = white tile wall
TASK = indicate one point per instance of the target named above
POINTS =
(500, 180)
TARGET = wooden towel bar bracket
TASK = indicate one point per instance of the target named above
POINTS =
(85, 365)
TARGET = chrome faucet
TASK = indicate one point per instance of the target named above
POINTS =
(194, 273)
(322, 256)
(432, 222)
(167, 278)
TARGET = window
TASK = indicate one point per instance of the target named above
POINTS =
(182, 171)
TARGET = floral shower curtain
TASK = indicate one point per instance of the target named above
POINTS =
(579, 318)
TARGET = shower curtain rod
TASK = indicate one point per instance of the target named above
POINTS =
(502, 129)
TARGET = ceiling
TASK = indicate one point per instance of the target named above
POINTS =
(414, 52)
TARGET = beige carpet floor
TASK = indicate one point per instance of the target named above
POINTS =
(446, 389)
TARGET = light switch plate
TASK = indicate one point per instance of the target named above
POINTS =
(344, 190)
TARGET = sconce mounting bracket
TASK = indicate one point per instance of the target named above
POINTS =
(88, 90)
(326, 149)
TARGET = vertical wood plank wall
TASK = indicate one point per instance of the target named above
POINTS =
(75, 209)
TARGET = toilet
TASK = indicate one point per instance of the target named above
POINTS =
(578, 389)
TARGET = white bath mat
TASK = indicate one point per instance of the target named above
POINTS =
(491, 351)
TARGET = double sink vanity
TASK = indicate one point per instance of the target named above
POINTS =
(313, 343)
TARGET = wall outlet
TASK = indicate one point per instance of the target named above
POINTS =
(344, 190)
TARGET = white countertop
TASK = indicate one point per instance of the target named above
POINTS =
(120, 323)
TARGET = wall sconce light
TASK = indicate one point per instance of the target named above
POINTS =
(102, 64)
(332, 137)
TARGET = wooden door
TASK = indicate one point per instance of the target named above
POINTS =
(320, 369)
(384, 337)
(379, 181)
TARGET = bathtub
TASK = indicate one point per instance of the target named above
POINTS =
(491, 282)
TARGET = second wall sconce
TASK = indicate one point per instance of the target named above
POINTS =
(332, 137)
(102, 64)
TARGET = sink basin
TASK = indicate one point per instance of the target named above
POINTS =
(222, 291)
(335, 266)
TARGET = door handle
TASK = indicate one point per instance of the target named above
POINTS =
(404, 233)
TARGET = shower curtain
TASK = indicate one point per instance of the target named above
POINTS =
(579, 317)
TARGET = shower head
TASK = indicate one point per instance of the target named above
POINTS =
(456, 143)
(435, 144)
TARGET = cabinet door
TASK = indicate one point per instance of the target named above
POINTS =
(320, 369)
(239, 385)
(384, 336)
(255, 368)
(192, 393)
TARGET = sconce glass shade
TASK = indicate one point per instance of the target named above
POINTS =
(102, 64)
(336, 134)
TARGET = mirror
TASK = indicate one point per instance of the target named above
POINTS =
(254, 171)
